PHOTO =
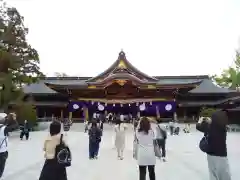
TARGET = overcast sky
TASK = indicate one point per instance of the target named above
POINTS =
(159, 37)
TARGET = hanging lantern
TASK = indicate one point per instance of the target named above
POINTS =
(105, 104)
(129, 104)
(121, 105)
(137, 104)
(151, 103)
(98, 103)
(92, 102)
(113, 105)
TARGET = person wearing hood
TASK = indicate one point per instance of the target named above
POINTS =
(215, 133)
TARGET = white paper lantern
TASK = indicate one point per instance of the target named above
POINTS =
(150, 102)
(168, 107)
(92, 102)
(113, 105)
(142, 107)
(105, 104)
(121, 105)
(100, 107)
(75, 106)
(129, 104)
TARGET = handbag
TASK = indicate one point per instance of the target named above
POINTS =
(156, 147)
(157, 150)
(203, 144)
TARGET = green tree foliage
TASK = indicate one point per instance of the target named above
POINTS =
(207, 112)
(19, 61)
(230, 77)
(26, 111)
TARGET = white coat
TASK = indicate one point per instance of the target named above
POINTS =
(145, 154)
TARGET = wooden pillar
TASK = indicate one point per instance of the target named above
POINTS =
(157, 112)
(138, 114)
(175, 116)
(86, 114)
(45, 116)
(62, 114)
(70, 116)
(184, 115)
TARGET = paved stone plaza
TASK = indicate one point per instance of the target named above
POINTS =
(185, 161)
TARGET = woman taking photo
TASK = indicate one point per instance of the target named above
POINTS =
(51, 169)
(145, 153)
(214, 145)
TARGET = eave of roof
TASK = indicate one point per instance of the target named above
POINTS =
(207, 87)
(80, 82)
(38, 88)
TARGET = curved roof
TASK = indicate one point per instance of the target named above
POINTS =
(122, 57)
(38, 88)
(207, 86)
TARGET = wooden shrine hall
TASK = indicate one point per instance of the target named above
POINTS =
(122, 88)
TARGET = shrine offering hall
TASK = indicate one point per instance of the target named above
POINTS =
(124, 89)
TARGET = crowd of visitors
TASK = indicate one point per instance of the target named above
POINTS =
(149, 144)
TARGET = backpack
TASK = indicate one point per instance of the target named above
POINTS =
(63, 154)
(95, 135)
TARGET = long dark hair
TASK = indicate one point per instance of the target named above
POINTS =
(144, 126)
(220, 118)
(94, 124)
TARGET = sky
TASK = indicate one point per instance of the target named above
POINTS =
(159, 37)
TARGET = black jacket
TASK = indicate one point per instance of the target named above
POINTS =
(216, 137)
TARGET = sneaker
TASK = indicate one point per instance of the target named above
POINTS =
(164, 159)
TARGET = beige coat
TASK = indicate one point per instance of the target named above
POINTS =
(50, 145)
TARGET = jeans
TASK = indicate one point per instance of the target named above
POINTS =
(3, 158)
(162, 146)
(151, 172)
(93, 149)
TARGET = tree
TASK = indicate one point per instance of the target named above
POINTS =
(207, 112)
(19, 61)
(230, 77)
(26, 111)
(59, 74)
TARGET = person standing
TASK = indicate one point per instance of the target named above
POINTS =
(85, 126)
(25, 129)
(145, 153)
(9, 124)
(214, 144)
(171, 127)
(161, 136)
(95, 135)
(66, 125)
(51, 169)
(120, 129)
